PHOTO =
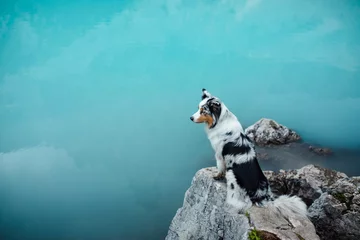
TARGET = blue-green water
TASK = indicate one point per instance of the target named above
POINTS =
(95, 100)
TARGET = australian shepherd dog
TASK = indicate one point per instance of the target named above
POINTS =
(236, 161)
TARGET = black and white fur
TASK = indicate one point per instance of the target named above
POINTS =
(236, 160)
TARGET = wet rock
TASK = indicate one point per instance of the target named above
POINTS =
(268, 132)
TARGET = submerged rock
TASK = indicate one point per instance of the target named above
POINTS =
(204, 216)
(262, 156)
(320, 151)
(269, 132)
(333, 199)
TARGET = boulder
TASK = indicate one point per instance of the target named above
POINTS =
(204, 215)
(268, 132)
(333, 198)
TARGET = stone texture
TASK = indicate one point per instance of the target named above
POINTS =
(268, 132)
(204, 215)
(307, 182)
(333, 219)
(333, 199)
(281, 227)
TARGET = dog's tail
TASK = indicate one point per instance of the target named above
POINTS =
(287, 206)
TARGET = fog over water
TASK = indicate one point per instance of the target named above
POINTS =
(95, 100)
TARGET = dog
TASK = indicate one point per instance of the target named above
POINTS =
(237, 163)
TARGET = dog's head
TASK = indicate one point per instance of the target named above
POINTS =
(209, 110)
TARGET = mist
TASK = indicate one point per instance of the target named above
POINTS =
(95, 100)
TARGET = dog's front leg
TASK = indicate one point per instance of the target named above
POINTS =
(220, 163)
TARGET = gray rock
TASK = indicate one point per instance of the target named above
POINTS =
(283, 228)
(355, 207)
(204, 215)
(356, 181)
(269, 132)
(356, 199)
(308, 182)
(332, 220)
(333, 198)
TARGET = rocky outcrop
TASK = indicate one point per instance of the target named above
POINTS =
(268, 132)
(333, 199)
(204, 215)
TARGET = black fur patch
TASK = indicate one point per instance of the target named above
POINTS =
(245, 136)
(215, 110)
(229, 133)
(232, 186)
(232, 148)
(250, 177)
(204, 95)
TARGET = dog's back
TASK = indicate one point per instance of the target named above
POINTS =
(240, 158)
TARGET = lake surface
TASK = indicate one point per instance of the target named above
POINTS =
(95, 100)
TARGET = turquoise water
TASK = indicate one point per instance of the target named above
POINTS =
(95, 100)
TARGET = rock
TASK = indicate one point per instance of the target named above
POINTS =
(204, 215)
(333, 198)
(283, 228)
(332, 220)
(308, 182)
(268, 132)
(356, 199)
(356, 181)
(320, 151)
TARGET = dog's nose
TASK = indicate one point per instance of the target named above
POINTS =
(192, 118)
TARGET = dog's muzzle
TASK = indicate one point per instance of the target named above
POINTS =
(192, 118)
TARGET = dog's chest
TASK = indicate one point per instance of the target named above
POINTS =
(216, 142)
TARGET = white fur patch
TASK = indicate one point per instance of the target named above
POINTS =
(240, 158)
(196, 116)
(288, 206)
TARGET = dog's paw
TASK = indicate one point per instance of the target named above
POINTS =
(219, 176)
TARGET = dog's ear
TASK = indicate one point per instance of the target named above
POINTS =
(215, 103)
(215, 108)
(205, 94)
